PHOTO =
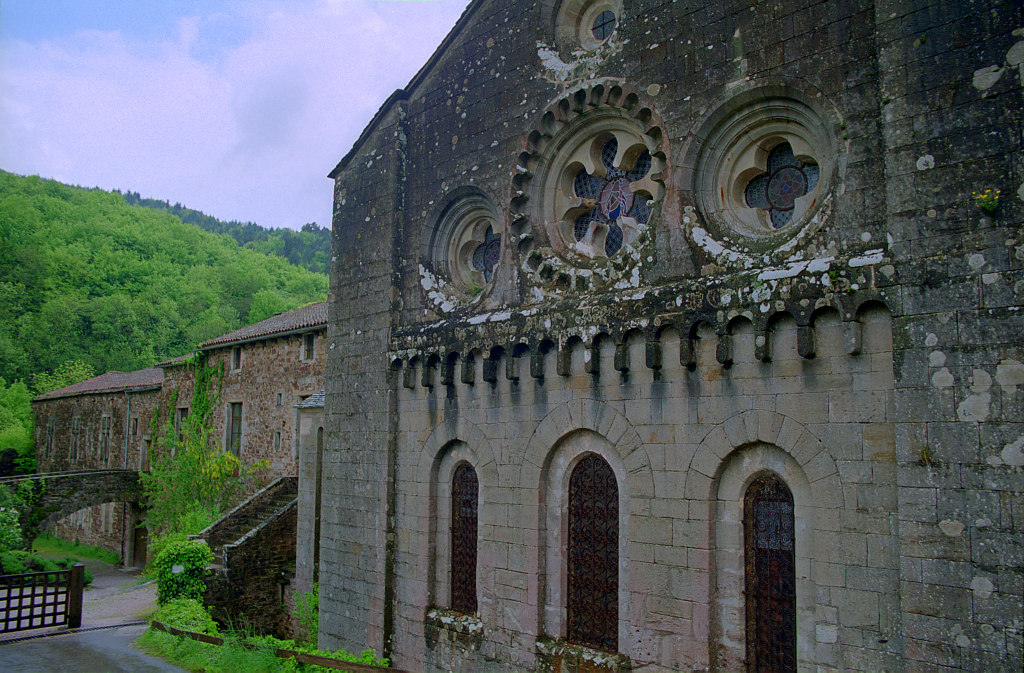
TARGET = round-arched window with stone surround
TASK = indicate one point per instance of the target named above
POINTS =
(586, 24)
(600, 188)
(764, 165)
(465, 246)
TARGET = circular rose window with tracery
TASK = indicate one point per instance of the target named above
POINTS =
(619, 213)
(785, 180)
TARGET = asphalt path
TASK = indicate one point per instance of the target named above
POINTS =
(107, 650)
(112, 607)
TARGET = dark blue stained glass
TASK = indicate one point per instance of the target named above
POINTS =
(582, 223)
(603, 26)
(613, 241)
(641, 168)
(611, 148)
(813, 174)
(587, 186)
(641, 212)
(785, 180)
(487, 254)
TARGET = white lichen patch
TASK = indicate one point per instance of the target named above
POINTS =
(926, 162)
(1009, 375)
(435, 291)
(975, 408)
(868, 258)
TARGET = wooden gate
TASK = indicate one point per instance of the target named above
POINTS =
(38, 600)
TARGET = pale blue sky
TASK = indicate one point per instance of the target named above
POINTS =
(238, 108)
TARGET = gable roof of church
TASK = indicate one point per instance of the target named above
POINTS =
(301, 319)
(111, 382)
(403, 93)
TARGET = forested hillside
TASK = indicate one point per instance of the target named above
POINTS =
(86, 277)
(309, 248)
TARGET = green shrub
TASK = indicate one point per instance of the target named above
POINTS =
(180, 569)
(10, 529)
(186, 614)
(307, 611)
(12, 562)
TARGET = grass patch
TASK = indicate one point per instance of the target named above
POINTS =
(48, 544)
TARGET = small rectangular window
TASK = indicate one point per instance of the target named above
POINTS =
(277, 440)
(235, 429)
(236, 357)
(76, 429)
(51, 424)
(135, 427)
(307, 348)
(279, 399)
(105, 439)
(180, 415)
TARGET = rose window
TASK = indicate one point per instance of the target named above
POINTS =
(617, 212)
(785, 179)
(486, 255)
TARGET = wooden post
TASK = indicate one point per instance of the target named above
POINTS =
(76, 584)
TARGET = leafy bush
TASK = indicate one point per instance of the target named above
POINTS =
(186, 614)
(12, 562)
(10, 530)
(180, 569)
(307, 611)
(193, 521)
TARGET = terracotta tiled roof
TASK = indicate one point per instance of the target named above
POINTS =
(312, 315)
(315, 401)
(109, 382)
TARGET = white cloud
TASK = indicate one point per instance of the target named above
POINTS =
(240, 116)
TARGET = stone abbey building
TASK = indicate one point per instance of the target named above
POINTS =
(682, 336)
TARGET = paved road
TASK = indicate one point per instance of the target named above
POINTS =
(113, 599)
(101, 651)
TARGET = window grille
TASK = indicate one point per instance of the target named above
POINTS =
(105, 439)
(76, 428)
(768, 523)
(465, 492)
(593, 597)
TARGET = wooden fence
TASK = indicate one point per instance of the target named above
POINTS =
(38, 600)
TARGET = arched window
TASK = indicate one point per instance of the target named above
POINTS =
(592, 613)
(465, 490)
(770, 576)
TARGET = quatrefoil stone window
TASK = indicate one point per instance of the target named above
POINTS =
(785, 179)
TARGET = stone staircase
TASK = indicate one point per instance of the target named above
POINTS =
(241, 522)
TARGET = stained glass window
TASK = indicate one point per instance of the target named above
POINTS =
(785, 180)
(770, 576)
(614, 197)
(486, 255)
(592, 612)
(465, 490)
(603, 26)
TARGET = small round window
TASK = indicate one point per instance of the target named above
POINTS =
(604, 24)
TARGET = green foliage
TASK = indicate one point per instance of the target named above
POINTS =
(192, 480)
(186, 614)
(309, 248)
(180, 569)
(86, 277)
(48, 544)
(307, 611)
(16, 562)
(10, 530)
(66, 374)
(191, 522)
(16, 425)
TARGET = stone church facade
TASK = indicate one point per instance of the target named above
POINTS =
(682, 336)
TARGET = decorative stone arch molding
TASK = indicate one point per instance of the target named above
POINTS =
(588, 187)
(567, 434)
(449, 445)
(762, 171)
(744, 447)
